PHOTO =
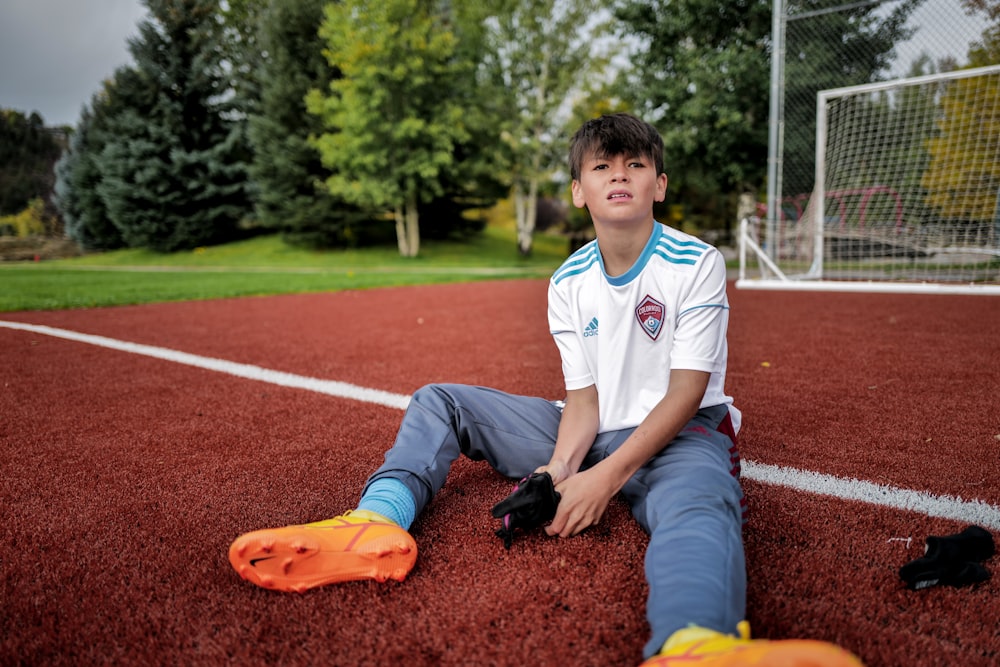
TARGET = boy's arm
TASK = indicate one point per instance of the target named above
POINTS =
(577, 431)
(585, 495)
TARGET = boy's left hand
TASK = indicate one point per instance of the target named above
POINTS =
(585, 498)
(557, 470)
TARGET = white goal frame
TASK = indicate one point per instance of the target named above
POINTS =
(764, 253)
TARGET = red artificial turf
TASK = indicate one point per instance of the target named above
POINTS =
(124, 479)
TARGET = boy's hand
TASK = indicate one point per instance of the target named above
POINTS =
(585, 499)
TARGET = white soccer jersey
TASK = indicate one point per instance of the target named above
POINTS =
(624, 334)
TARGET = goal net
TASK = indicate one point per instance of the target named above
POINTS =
(906, 195)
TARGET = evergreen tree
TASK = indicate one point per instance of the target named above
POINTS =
(173, 172)
(286, 169)
(243, 52)
(84, 214)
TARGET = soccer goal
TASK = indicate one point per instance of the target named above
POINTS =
(906, 195)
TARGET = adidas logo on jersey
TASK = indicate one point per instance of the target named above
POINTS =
(590, 329)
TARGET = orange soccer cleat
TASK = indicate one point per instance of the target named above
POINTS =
(354, 546)
(698, 647)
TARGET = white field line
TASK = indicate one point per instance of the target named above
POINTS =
(948, 507)
(248, 371)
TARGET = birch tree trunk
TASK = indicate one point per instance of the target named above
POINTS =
(412, 226)
(407, 218)
(526, 210)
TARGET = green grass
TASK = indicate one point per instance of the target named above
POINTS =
(261, 266)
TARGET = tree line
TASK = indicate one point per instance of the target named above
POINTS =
(360, 121)
(28, 151)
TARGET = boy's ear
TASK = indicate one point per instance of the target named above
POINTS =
(577, 191)
(661, 187)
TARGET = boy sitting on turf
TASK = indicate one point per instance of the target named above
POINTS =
(640, 318)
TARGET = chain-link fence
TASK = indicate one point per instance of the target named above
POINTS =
(826, 44)
(858, 86)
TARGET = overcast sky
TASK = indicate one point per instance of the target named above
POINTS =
(54, 54)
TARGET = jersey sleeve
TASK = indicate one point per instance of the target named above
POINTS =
(566, 333)
(702, 319)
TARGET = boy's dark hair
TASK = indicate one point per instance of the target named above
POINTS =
(612, 135)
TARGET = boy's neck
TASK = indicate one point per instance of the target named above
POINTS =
(621, 246)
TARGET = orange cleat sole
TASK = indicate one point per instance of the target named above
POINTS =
(299, 558)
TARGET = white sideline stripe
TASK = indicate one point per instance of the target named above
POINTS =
(948, 507)
(248, 371)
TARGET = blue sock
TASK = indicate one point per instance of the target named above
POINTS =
(390, 498)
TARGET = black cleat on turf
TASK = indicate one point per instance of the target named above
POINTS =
(952, 560)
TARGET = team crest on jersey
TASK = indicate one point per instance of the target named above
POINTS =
(650, 314)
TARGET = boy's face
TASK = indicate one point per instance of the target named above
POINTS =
(618, 189)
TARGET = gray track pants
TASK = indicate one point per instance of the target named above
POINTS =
(688, 497)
